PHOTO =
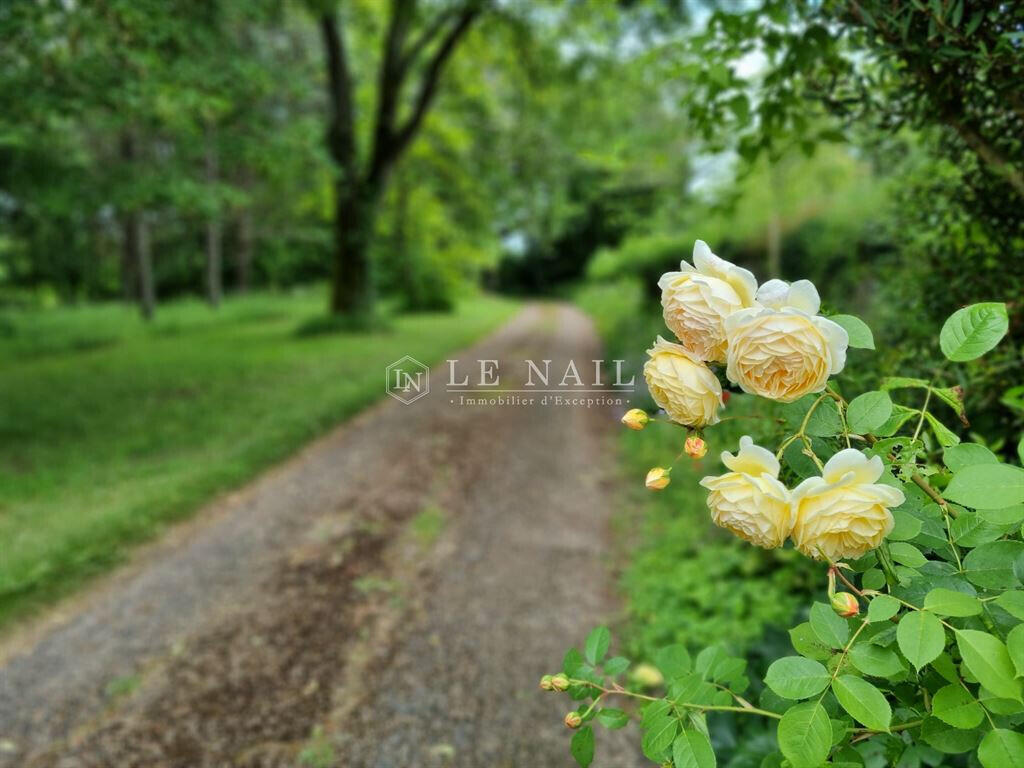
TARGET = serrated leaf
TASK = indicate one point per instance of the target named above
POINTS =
(612, 718)
(954, 705)
(972, 331)
(967, 454)
(582, 746)
(988, 660)
(991, 565)
(796, 677)
(673, 661)
(831, 629)
(691, 749)
(943, 434)
(882, 608)
(948, 602)
(876, 661)
(1002, 748)
(868, 412)
(907, 554)
(1015, 647)
(987, 486)
(597, 645)
(615, 666)
(920, 637)
(865, 703)
(805, 735)
(858, 331)
(1012, 602)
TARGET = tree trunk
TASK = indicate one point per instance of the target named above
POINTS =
(213, 232)
(351, 279)
(147, 284)
(243, 253)
(130, 258)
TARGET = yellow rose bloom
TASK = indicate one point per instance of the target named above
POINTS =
(682, 385)
(844, 513)
(749, 500)
(697, 299)
(782, 350)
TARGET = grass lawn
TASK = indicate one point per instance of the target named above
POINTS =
(110, 428)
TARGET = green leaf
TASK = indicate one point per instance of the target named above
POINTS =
(905, 526)
(953, 704)
(612, 718)
(673, 661)
(830, 628)
(805, 735)
(794, 677)
(1012, 602)
(616, 666)
(987, 486)
(858, 331)
(882, 608)
(946, 437)
(1015, 647)
(949, 602)
(991, 565)
(967, 454)
(988, 660)
(1006, 516)
(907, 554)
(876, 661)
(868, 412)
(660, 729)
(691, 749)
(597, 645)
(582, 746)
(806, 642)
(572, 662)
(920, 637)
(902, 382)
(972, 331)
(948, 739)
(863, 701)
(1002, 748)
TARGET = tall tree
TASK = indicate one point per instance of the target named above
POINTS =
(410, 68)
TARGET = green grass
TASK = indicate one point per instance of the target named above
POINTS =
(111, 428)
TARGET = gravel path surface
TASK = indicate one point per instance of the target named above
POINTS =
(386, 599)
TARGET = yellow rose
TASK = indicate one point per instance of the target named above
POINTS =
(782, 350)
(697, 299)
(682, 385)
(844, 513)
(750, 501)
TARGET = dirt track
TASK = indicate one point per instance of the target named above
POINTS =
(399, 587)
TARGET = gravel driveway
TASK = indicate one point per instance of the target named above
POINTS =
(388, 598)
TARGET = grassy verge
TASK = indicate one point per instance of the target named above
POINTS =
(110, 428)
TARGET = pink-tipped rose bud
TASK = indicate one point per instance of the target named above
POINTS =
(573, 720)
(845, 604)
(546, 684)
(560, 682)
(636, 419)
(695, 447)
(657, 478)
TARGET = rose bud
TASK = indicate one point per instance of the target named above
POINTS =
(546, 684)
(573, 720)
(845, 604)
(658, 478)
(560, 682)
(695, 447)
(636, 419)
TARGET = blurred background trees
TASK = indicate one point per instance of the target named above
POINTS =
(417, 149)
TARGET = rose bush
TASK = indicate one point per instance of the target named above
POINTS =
(918, 656)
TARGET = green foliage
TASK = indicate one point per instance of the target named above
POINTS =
(935, 665)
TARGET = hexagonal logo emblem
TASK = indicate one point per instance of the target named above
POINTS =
(407, 380)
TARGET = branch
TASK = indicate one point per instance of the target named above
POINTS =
(401, 137)
(390, 82)
(341, 135)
